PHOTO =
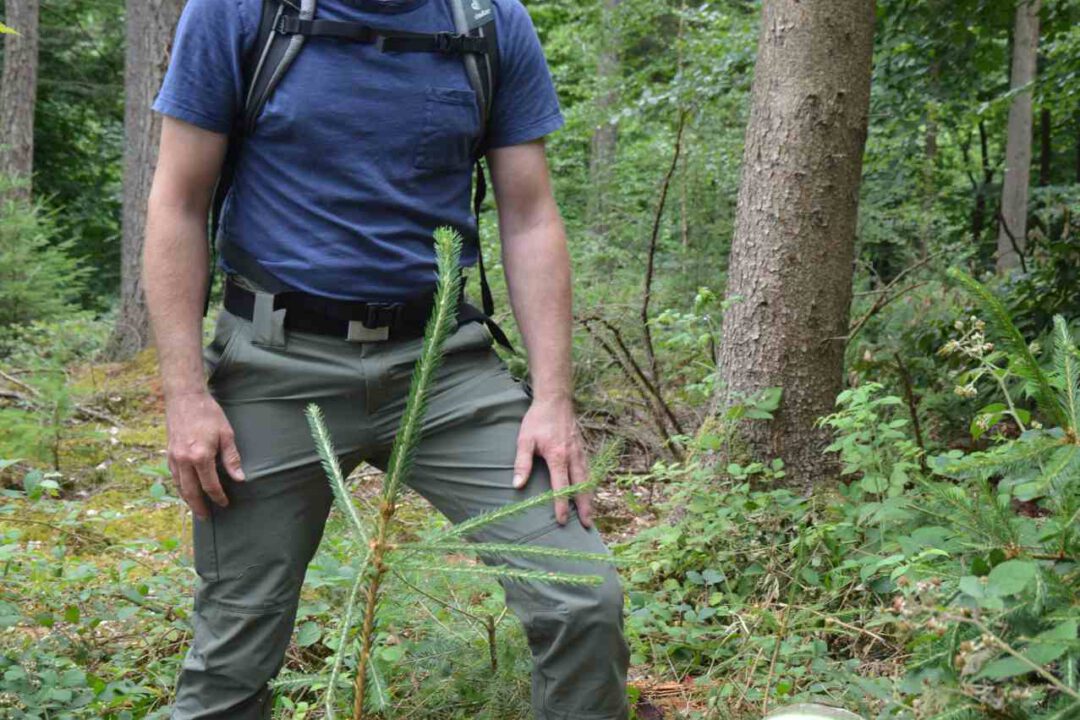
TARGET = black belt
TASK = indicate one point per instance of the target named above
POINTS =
(357, 321)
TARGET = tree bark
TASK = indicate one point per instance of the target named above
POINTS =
(18, 95)
(149, 31)
(978, 213)
(792, 256)
(1012, 233)
(1078, 145)
(1046, 149)
(604, 141)
(930, 160)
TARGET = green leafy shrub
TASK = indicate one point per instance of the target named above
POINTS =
(908, 592)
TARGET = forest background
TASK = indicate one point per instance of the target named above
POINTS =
(827, 293)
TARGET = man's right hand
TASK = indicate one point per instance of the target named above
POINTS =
(198, 433)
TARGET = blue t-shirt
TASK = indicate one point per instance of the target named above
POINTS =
(359, 155)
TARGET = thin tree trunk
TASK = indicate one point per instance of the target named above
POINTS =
(978, 213)
(604, 141)
(18, 95)
(930, 158)
(1046, 149)
(1014, 195)
(150, 26)
(794, 244)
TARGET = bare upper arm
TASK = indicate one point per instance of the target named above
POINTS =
(522, 184)
(189, 162)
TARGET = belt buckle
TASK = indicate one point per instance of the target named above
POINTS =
(376, 324)
(359, 332)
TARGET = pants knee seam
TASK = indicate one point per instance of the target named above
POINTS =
(267, 609)
(545, 530)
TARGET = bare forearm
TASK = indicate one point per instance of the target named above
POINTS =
(538, 275)
(175, 274)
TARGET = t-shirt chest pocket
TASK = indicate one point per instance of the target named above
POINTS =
(449, 130)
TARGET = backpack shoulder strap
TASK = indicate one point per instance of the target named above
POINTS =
(274, 54)
(264, 67)
(476, 18)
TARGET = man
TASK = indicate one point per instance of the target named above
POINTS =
(357, 157)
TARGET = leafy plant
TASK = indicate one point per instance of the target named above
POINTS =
(871, 441)
(1043, 461)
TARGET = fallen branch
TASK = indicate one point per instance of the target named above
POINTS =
(86, 412)
(651, 385)
(639, 384)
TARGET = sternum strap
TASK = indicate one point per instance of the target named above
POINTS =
(388, 40)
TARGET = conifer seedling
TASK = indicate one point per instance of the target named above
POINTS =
(375, 534)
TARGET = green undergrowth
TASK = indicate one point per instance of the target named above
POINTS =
(931, 583)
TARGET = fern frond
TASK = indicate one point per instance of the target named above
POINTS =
(325, 446)
(511, 549)
(1063, 465)
(1014, 343)
(440, 325)
(1065, 362)
(1070, 711)
(1017, 455)
(964, 712)
(501, 572)
(485, 519)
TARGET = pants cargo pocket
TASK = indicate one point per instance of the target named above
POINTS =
(206, 560)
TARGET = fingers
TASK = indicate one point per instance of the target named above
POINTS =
(523, 463)
(206, 467)
(197, 471)
(191, 491)
(230, 456)
(560, 478)
(579, 473)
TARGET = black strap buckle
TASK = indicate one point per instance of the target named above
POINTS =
(446, 42)
(288, 25)
(379, 315)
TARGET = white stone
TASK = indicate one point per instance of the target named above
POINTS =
(810, 711)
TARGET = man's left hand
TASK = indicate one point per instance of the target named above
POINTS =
(549, 430)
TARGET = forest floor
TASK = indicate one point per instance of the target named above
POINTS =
(113, 518)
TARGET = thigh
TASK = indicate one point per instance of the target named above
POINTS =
(464, 464)
(253, 554)
(264, 391)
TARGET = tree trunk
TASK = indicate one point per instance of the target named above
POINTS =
(1046, 150)
(18, 95)
(150, 27)
(1014, 194)
(604, 139)
(978, 213)
(793, 250)
(930, 160)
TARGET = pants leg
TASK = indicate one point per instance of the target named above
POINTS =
(251, 557)
(464, 466)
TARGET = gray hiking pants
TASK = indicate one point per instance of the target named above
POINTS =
(251, 556)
